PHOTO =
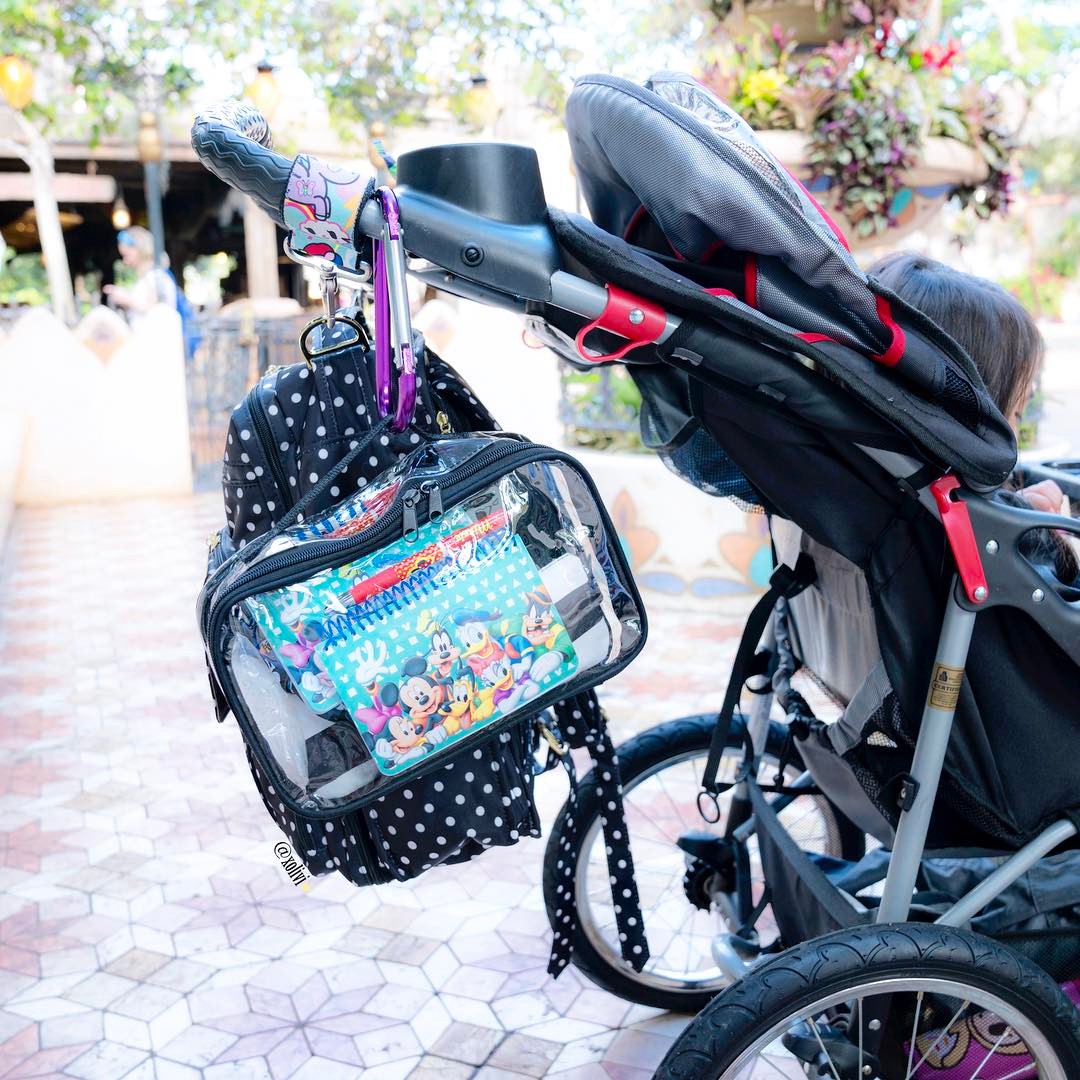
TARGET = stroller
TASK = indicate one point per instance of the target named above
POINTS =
(774, 372)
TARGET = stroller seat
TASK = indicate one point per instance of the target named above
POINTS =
(800, 384)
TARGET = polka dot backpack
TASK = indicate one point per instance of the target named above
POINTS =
(433, 760)
(300, 420)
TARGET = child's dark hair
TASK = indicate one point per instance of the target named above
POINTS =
(998, 334)
(993, 326)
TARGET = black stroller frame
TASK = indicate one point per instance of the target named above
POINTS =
(917, 799)
(475, 224)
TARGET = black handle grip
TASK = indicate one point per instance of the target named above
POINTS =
(233, 142)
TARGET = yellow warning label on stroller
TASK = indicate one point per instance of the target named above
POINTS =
(945, 689)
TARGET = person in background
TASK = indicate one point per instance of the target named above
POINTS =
(153, 284)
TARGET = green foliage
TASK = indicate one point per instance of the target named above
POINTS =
(600, 408)
(387, 61)
(867, 103)
(1032, 47)
(23, 279)
(1040, 292)
(1053, 164)
(1062, 255)
(867, 136)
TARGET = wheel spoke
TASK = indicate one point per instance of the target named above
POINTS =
(860, 1038)
(990, 1053)
(659, 806)
(1019, 1072)
(680, 811)
(817, 1035)
(636, 817)
(937, 1042)
(914, 1034)
(775, 1068)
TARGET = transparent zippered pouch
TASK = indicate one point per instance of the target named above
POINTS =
(462, 591)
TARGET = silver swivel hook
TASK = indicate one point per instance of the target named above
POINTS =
(328, 284)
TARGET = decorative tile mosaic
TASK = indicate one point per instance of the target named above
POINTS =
(146, 927)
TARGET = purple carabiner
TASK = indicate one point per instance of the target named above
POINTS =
(392, 320)
(384, 389)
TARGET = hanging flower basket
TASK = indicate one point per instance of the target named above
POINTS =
(943, 166)
(879, 124)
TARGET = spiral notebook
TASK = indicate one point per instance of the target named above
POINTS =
(423, 643)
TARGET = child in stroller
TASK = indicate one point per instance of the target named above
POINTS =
(1003, 340)
(834, 616)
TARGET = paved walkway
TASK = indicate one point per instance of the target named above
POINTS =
(146, 929)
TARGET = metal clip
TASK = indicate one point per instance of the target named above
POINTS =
(328, 284)
(393, 325)
(356, 278)
(560, 748)
(310, 355)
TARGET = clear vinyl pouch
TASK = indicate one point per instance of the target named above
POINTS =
(466, 588)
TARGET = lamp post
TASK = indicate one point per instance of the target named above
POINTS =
(480, 106)
(260, 236)
(17, 91)
(121, 215)
(16, 82)
(150, 151)
(264, 91)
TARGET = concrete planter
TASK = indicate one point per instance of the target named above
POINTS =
(97, 422)
(943, 166)
(686, 548)
(798, 17)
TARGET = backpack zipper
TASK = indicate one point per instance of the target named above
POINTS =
(357, 546)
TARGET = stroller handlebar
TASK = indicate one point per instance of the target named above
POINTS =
(233, 141)
(519, 259)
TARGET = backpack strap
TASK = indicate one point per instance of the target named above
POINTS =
(582, 723)
(785, 582)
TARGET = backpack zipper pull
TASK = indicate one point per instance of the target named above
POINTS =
(434, 494)
(408, 514)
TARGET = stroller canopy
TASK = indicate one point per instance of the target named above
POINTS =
(692, 213)
(669, 167)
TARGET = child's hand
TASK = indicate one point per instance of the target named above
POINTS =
(1045, 496)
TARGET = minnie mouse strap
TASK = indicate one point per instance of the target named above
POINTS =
(320, 209)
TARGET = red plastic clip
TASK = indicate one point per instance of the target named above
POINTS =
(961, 537)
(627, 315)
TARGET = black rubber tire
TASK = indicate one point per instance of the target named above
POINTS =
(848, 959)
(643, 753)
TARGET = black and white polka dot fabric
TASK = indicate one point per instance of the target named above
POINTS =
(296, 426)
(298, 422)
(481, 800)
(581, 723)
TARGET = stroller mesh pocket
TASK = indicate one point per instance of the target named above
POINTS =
(1055, 950)
(670, 428)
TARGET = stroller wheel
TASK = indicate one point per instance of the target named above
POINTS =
(895, 1002)
(661, 775)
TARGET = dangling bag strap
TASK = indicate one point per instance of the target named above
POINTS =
(581, 722)
(785, 582)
